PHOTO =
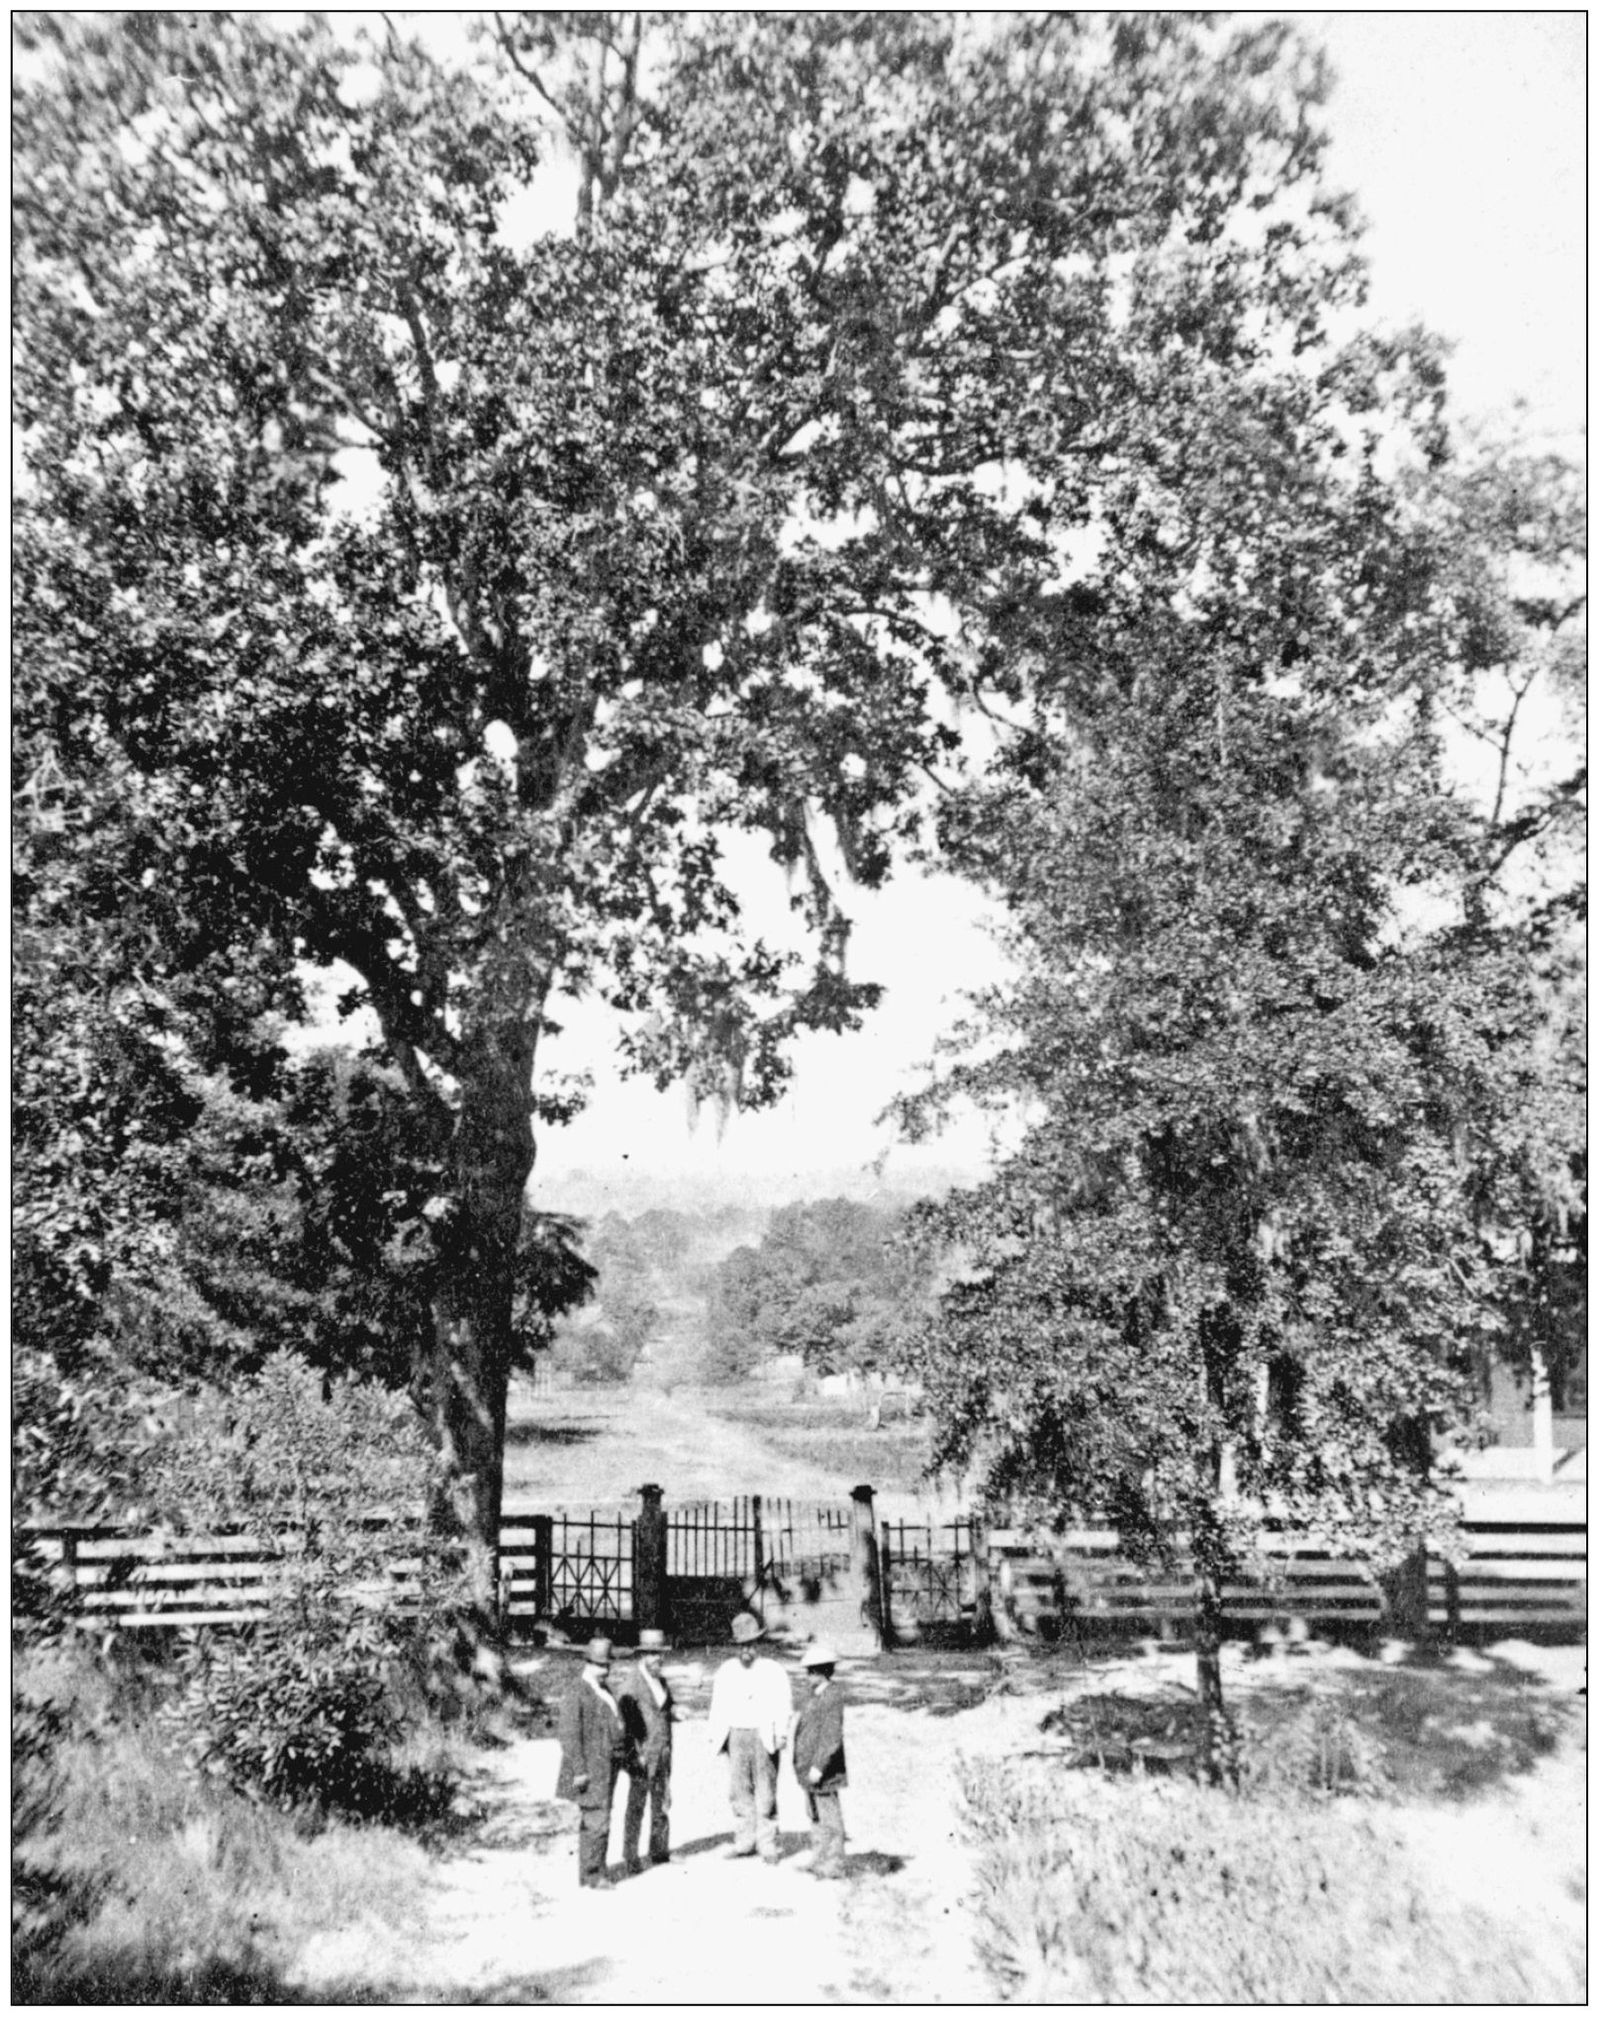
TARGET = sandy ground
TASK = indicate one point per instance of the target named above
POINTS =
(508, 1923)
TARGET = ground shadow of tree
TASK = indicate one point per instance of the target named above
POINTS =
(1439, 1725)
(1452, 1730)
(519, 1434)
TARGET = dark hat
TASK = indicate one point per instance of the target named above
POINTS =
(600, 1651)
(820, 1655)
(651, 1641)
(745, 1628)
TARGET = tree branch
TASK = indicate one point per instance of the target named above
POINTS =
(511, 52)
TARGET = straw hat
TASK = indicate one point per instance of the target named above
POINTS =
(651, 1641)
(745, 1628)
(819, 1655)
(600, 1651)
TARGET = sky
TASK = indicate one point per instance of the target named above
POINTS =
(1463, 135)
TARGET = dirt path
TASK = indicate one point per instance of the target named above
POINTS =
(508, 1923)
(580, 1449)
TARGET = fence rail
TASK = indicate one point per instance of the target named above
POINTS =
(1520, 1564)
(1511, 1572)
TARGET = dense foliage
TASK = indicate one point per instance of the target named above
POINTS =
(326, 1480)
(425, 594)
(421, 589)
(832, 1281)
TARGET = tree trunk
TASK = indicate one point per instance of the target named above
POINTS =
(1216, 1740)
(489, 1164)
(1208, 1642)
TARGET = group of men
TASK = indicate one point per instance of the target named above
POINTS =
(608, 1726)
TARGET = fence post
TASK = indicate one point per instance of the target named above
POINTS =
(983, 1630)
(758, 1553)
(652, 1551)
(541, 1567)
(867, 1565)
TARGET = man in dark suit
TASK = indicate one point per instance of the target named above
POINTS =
(648, 1709)
(592, 1734)
(820, 1763)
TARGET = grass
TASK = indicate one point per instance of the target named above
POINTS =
(141, 1882)
(1102, 1890)
(833, 1432)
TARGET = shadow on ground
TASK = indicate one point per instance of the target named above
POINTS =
(1438, 1725)
(519, 1434)
(538, 1987)
(1450, 1728)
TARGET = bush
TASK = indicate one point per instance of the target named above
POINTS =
(1092, 1890)
(302, 1707)
(147, 1883)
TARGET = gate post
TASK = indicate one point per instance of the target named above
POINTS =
(983, 1630)
(541, 1568)
(867, 1565)
(650, 1569)
(757, 1503)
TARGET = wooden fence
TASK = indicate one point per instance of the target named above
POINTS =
(1521, 1566)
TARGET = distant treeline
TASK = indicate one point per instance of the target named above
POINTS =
(835, 1282)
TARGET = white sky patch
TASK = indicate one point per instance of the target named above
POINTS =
(502, 747)
(1078, 550)
(363, 84)
(545, 207)
(359, 485)
(798, 531)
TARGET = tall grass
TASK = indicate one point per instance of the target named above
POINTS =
(148, 1883)
(1098, 1891)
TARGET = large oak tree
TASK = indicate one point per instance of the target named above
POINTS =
(442, 590)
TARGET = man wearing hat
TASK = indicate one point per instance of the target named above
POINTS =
(592, 1734)
(749, 1712)
(819, 1761)
(648, 1708)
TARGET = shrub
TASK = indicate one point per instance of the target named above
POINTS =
(1092, 1890)
(302, 1707)
(147, 1883)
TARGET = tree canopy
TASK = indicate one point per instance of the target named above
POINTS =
(1275, 1015)
(415, 590)
(832, 1281)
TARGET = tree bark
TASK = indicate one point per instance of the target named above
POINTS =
(488, 1166)
(1210, 1568)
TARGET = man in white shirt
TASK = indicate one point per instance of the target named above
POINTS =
(750, 1712)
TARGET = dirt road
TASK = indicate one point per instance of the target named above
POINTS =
(583, 1449)
(508, 1923)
